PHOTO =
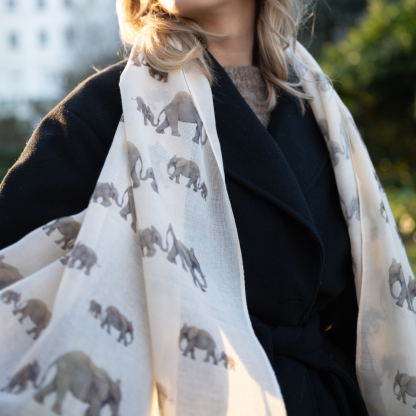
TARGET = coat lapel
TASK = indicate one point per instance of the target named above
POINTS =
(250, 154)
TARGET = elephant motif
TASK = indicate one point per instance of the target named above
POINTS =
(182, 109)
(197, 338)
(8, 274)
(68, 227)
(162, 398)
(146, 111)
(90, 384)
(322, 80)
(134, 156)
(150, 174)
(105, 191)
(188, 259)
(334, 147)
(407, 385)
(204, 191)
(411, 288)
(129, 208)
(86, 256)
(10, 296)
(229, 363)
(354, 209)
(95, 309)
(383, 211)
(148, 238)
(396, 275)
(380, 186)
(28, 373)
(38, 313)
(371, 318)
(120, 322)
(187, 168)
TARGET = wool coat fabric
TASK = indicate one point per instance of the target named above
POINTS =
(152, 294)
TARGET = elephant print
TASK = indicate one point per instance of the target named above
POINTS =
(322, 80)
(334, 147)
(161, 75)
(38, 313)
(146, 111)
(353, 209)
(197, 338)
(411, 288)
(181, 109)
(107, 192)
(136, 59)
(90, 384)
(188, 169)
(151, 175)
(229, 363)
(204, 190)
(84, 255)
(20, 380)
(68, 227)
(406, 384)
(134, 156)
(8, 274)
(383, 211)
(95, 309)
(188, 259)
(119, 321)
(148, 238)
(396, 275)
(162, 398)
(10, 296)
(129, 208)
(371, 318)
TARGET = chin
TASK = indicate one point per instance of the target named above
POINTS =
(192, 8)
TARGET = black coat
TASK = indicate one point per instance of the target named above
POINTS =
(294, 239)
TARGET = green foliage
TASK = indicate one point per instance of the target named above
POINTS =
(373, 71)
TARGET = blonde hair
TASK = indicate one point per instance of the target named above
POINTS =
(278, 22)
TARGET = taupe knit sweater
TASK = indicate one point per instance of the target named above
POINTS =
(252, 87)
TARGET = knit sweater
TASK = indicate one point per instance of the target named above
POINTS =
(250, 84)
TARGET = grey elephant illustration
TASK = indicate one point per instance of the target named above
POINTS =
(119, 321)
(150, 174)
(95, 309)
(162, 398)
(10, 296)
(106, 191)
(148, 238)
(146, 111)
(229, 363)
(407, 385)
(371, 318)
(38, 313)
(134, 156)
(85, 255)
(204, 190)
(197, 338)
(411, 288)
(187, 168)
(353, 209)
(90, 384)
(322, 80)
(187, 257)
(68, 227)
(383, 211)
(129, 208)
(181, 109)
(334, 147)
(8, 273)
(20, 380)
(161, 75)
(396, 275)
(380, 186)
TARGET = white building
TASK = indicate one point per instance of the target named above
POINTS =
(41, 40)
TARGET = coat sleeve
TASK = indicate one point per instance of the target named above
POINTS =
(56, 174)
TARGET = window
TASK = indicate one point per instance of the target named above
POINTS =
(41, 4)
(69, 36)
(13, 41)
(11, 4)
(43, 38)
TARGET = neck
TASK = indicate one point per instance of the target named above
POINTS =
(235, 20)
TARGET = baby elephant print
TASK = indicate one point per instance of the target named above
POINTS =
(151, 175)
(187, 257)
(229, 363)
(10, 296)
(129, 208)
(406, 384)
(20, 380)
(134, 156)
(106, 191)
(204, 190)
(181, 109)
(82, 254)
(383, 211)
(197, 338)
(68, 227)
(187, 168)
(95, 309)
(148, 238)
(396, 275)
(146, 111)
(76, 372)
(8, 274)
(352, 210)
(118, 321)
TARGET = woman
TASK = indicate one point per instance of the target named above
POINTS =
(295, 235)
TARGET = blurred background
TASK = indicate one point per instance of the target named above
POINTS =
(368, 48)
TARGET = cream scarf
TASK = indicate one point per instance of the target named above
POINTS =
(136, 306)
